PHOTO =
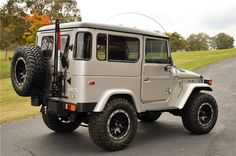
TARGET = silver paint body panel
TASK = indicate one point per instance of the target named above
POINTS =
(149, 84)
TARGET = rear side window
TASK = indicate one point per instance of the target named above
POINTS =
(83, 46)
(47, 46)
(101, 47)
(123, 49)
(156, 51)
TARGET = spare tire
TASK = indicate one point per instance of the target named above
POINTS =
(28, 71)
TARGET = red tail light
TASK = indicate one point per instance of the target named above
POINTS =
(70, 107)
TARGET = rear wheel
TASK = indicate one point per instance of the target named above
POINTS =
(200, 113)
(149, 116)
(59, 124)
(115, 127)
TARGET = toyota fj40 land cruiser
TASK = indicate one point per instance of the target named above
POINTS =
(108, 77)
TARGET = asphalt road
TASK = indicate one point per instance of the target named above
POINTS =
(166, 137)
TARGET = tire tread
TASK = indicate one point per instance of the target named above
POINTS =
(189, 116)
(98, 132)
(52, 122)
(36, 68)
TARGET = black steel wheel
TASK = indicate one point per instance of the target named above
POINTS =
(20, 71)
(115, 127)
(118, 124)
(205, 114)
(200, 113)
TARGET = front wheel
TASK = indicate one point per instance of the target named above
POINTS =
(115, 127)
(59, 124)
(200, 113)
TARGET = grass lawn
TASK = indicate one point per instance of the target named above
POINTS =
(196, 60)
(14, 107)
(5, 64)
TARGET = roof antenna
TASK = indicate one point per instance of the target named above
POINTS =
(135, 13)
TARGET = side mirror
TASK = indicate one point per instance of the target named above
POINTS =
(169, 65)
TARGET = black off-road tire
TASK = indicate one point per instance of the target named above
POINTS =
(100, 131)
(53, 122)
(149, 116)
(200, 113)
(28, 71)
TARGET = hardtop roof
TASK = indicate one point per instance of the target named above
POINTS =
(72, 25)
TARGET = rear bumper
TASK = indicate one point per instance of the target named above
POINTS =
(59, 106)
(86, 107)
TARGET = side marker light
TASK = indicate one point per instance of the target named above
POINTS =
(91, 82)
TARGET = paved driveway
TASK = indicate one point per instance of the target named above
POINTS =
(166, 136)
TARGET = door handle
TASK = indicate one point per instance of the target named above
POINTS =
(146, 79)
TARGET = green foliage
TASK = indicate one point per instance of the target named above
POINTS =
(12, 25)
(36, 21)
(14, 29)
(13, 13)
(64, 10)
(177, 42)
(223, 41)
(197, 42)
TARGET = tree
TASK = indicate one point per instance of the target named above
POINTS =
(36, 21)
(12, 25)
(197, 42)
(177, 42)
(223, 41)
(46, 11)
(64, 10)
(13, 13)
(212, 43)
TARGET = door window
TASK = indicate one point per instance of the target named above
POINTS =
(47, 46)
(156, 51)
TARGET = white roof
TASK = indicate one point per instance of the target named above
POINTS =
(103, 27)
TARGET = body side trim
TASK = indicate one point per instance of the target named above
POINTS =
(188, 91)
(105, 97)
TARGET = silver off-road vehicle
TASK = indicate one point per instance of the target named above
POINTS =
(107, 77)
